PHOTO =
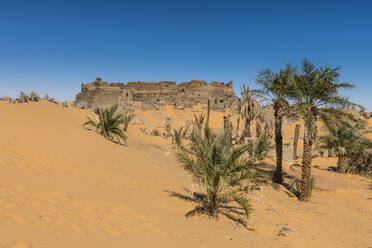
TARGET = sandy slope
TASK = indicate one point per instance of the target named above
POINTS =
(64, 186)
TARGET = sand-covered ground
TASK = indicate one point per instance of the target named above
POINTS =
(64, 186)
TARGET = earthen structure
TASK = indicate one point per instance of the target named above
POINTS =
(152, 95)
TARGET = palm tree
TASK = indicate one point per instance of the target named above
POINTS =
(316, 97)
(219, 169)
(345, 141)
(275, 87)
(126, 120)
(108, 124)
(340, 141)
(249, 111)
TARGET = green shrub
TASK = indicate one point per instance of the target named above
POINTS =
(108, 124)
(219, 169)
(155, 132)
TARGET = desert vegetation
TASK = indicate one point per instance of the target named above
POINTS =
(49, 99)
(222, 171)
(223, 164)
(126, 121)
(219, 169)
(108, 124)
(350, 145)
(274, 91)
(25, 98)
(315, 96)
(310, 94)
(307, 94)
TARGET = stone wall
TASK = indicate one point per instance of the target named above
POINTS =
(152, 95)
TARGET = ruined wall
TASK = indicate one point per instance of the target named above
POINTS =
(152, 95)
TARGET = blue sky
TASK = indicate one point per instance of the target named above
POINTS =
(53, 46)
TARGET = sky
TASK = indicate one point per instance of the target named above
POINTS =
(53, 46)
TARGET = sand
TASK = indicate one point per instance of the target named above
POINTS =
(64, 186)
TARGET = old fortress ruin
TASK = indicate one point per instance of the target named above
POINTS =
(152, 95)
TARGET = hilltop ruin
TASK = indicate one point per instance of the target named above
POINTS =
(152, 95)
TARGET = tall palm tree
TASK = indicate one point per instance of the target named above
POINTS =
(249, 111)
(275, 88)
(108, 124)
(316, 97)
(219, 169)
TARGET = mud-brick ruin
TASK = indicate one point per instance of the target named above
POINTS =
(152, 95)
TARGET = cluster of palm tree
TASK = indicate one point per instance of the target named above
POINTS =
(109, 124)
(310, 94)
(346, 142)
(222, 168)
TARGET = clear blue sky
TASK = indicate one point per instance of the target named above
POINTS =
(53, 46)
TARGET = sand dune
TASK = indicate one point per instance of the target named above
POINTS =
(64, 186)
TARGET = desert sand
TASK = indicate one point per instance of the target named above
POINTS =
(65, 186)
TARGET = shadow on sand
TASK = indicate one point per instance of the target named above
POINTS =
(233, 213)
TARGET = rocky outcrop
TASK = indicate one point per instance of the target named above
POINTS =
(152, 95)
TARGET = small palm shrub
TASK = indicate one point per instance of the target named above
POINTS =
(178, 136)
(295, 187)
(49, 99)
(143, 130)
(155, 132)
(108, 124)
(199, 121)
(23, 97)
(258, 149)
(219, 169)
(127, 119)
(34, 97)
(261, 147)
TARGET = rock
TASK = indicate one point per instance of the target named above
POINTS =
(273, 209)
(258, 200)
(283, 231)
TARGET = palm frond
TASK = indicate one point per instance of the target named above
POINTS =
(108, 124)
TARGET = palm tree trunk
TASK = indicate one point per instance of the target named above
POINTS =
(278, 174)
(246, 130)
(227, 125)
(330, 154)
(258, 130)
(342, 163)
(306, 165)
(295, 141)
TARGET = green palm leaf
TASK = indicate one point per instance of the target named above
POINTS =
(108, 124)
